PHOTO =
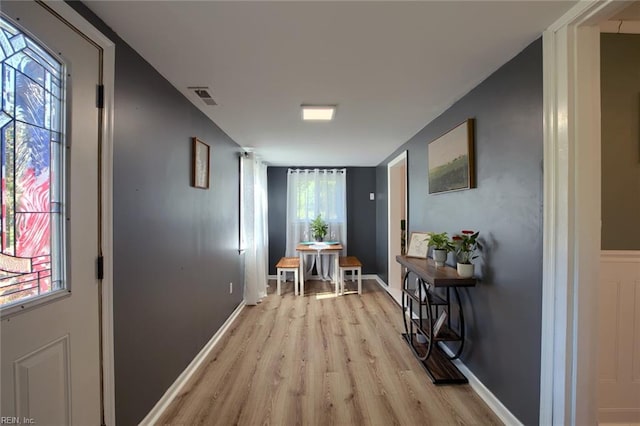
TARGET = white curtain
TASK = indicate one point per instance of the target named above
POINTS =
(311, 193)
(254, 234)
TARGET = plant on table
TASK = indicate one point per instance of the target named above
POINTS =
(441, 246)
(466, 244)
(318, 228)
(440, 241)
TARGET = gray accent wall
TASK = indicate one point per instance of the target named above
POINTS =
(361, 215)
(175, 246)
(620, 108)
(503, 312)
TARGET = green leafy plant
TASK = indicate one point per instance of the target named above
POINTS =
(318, 228)
(440, 241)
(466, 244)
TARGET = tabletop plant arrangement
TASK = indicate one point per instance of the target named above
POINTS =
(466, 243)
(318, 228)
(442, 245)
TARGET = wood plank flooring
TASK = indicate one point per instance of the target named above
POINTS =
(320, 360)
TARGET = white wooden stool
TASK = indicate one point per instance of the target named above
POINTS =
(350, 263)
(288, 264)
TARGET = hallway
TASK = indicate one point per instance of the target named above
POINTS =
(320, 360)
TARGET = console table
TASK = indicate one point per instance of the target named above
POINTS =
(422, 306)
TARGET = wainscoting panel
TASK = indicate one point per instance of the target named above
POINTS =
(619, 337)
(42, 380)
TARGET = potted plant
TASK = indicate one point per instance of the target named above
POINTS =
(441, 246)
(466, 244)
(319, 228)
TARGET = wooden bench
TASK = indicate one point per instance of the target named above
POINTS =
(350, 263)
(288, 264)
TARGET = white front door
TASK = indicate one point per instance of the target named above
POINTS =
(50, 352)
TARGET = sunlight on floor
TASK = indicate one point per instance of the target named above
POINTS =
(327, 295)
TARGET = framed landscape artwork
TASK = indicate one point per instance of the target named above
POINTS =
(451, 160)
(200, 164)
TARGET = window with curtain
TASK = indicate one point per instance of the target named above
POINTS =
(311, 193)
(254, 227)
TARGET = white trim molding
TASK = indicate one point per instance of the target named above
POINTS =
(619, 334)
(108, 80)
(379, 280)
(571, 239)
(483, 392)
(620, 256)
(156, 412)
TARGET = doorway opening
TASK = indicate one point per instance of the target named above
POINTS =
(398, 224)
(572, 248)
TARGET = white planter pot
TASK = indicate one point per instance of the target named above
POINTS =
(465, 270)
(439, 256)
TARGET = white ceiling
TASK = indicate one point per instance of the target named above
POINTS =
(391, 67)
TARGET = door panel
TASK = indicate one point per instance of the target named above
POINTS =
(619, 337)
(50, 364)
(42, 380)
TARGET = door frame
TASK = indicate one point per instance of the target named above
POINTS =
(402, 157)
(572, 213)
(67, 13)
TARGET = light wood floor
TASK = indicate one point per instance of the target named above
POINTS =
(321, 360)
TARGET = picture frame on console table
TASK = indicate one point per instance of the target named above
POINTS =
(418, 245)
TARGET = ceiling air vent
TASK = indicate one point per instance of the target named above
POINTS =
(204, 94)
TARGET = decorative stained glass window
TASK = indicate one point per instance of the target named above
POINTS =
(31, 213)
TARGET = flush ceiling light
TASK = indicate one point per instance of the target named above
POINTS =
(318, 112)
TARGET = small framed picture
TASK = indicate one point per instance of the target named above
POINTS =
(418, 245)
(200, 155)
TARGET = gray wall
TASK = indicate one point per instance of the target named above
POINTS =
(361, 215)
(175, 247)
(620, 90)
(503, 312)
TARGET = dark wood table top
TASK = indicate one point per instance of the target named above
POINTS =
(437, 276)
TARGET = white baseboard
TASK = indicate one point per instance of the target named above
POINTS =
(483, 392)
(183, 378)
(489, 398)
(377, 278)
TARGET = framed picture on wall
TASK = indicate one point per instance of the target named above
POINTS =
(452, 160)
(200, 166)
(418, 245)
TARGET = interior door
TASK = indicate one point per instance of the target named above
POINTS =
(50, 352)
